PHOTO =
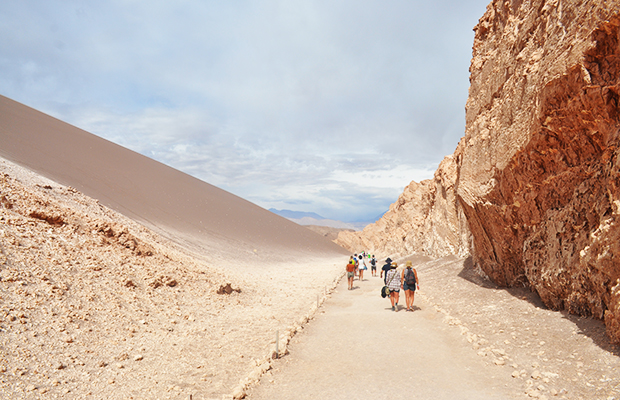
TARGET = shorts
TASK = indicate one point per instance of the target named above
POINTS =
(350, 274)
(373, 268)
(394, 290)
(407, 287)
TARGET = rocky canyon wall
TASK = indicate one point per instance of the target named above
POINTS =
(426, 219)
(539, 167)
(536, 177)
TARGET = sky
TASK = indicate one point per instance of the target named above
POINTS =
(325, 106)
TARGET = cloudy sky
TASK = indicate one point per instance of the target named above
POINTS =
(323, 106)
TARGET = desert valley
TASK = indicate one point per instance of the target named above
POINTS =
(123, 278)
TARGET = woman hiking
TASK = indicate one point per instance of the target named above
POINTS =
(392, 278)
(409, 278)
(350, 272)
(362, 267)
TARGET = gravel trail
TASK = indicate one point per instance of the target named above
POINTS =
(357, 348)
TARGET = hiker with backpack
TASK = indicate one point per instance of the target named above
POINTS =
(409, 284)
(373, 265)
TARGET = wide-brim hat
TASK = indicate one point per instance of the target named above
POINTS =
(409, 263)
(388, 260)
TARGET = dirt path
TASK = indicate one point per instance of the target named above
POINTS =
(468, 339)
(357, 348)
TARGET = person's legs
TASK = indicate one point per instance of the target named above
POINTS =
(392, 295)
(396, 299)
(361, 274)
(408, 299)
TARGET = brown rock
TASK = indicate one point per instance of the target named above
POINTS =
(532, 189)
(227, 289)
(538, 170)
(426, 219)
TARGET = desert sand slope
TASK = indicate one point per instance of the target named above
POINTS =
(111, 266)
(95, 305)
(168, 200)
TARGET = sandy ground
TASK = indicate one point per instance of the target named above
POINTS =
(357, 348)
(467, 339)
(94, 305)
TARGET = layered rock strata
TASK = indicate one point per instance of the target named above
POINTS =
(537, 174)
(426, 219)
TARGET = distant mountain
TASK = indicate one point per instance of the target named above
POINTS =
(296, 214)
(310, 218)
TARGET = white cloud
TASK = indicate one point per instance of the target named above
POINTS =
(280, 102)
(397, 177)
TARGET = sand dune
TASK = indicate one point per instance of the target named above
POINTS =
(175, 204)
(120, 309)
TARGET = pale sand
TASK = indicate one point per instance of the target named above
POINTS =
(86, 313)
(169, 201)
(466, 339)
(80, 299)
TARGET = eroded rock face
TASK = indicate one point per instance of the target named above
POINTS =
(425, 220)
(535, 180)
(539, 161)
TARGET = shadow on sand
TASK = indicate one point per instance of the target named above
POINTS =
(588, 326)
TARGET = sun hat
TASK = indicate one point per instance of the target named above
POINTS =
(394, 265)
(409, 263)
(388, 260)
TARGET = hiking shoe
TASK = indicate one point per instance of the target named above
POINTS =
(392, 308)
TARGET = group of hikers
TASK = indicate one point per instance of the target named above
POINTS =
(394, 280)
(357, 265)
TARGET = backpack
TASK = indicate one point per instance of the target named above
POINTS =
(409, 277)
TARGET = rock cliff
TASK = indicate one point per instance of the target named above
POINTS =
(426, 219)
(538, 178)
(537, 173)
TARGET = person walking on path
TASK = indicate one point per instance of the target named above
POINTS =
(362, 267)
(351, 272)
(393, 283)
(409, 278)
(373, 265)
(385, 269)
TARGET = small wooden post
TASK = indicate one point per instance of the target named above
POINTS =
(277, 344)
